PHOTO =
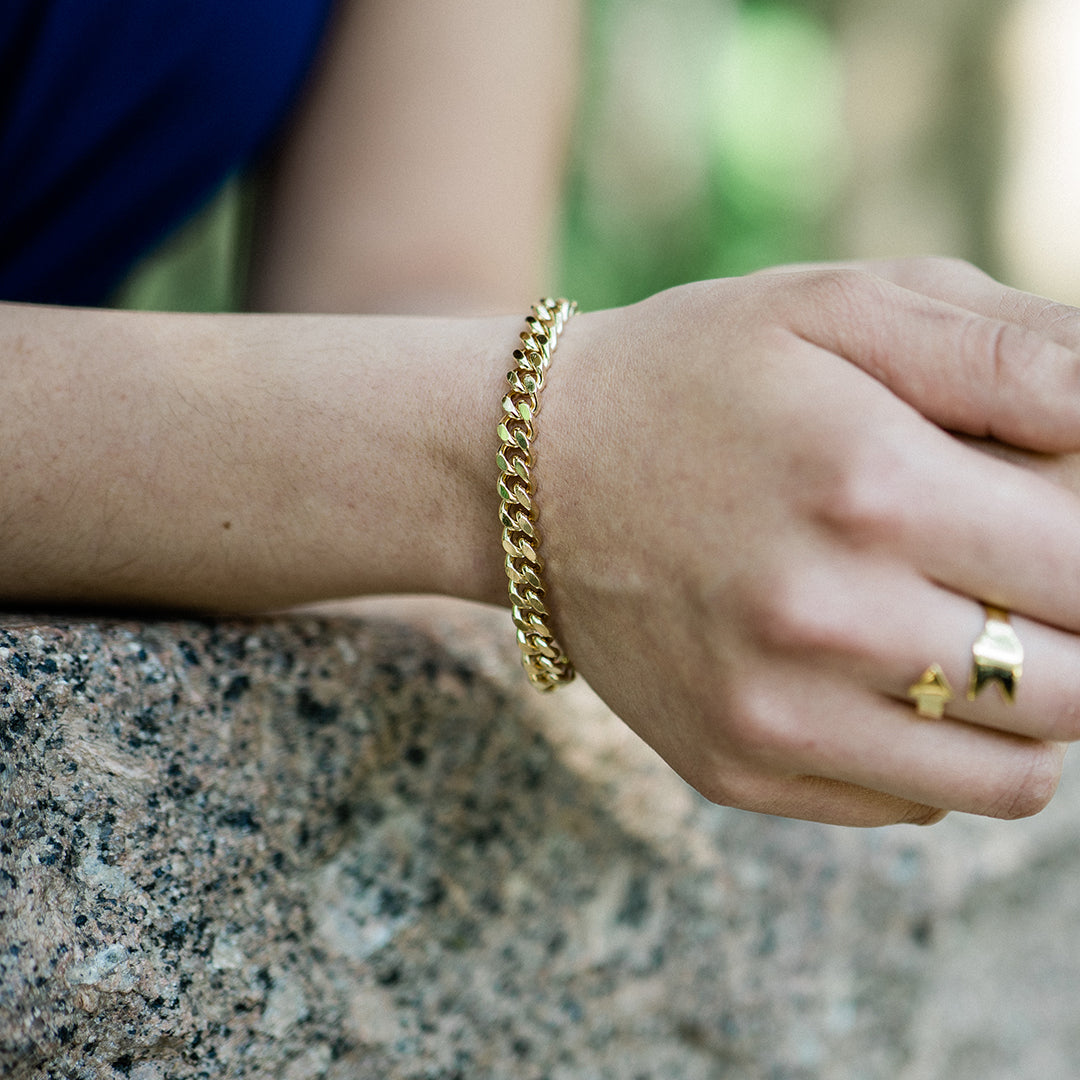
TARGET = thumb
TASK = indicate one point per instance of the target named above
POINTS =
(966, 372)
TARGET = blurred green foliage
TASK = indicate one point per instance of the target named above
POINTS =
(201, 268)
(709, 144)
(731, 156)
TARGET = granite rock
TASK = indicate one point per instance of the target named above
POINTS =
(358, 846)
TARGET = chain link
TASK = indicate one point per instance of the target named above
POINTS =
(541, 655)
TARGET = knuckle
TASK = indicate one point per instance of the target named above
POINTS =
(1012, 354)
(831, 300)
(825, 301)
(1027, 309)
(728, 787)
(780, 615)
(751, 719)
(1041, 773)
(801, 612)
(1064, 320)
(866, 499)
(767, 726)
(841, 295)
(727, 778)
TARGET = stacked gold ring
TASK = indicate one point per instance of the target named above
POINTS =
(997, 656)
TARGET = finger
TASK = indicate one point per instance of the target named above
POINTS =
(1043, 701)
(885, 628)
(957, 282)
(947, 763)
(978, 525)
(991, 530)
(967, 372)
(1063, 469)
(861, 739)
(831, 802)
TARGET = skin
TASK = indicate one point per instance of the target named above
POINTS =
(760, 524)
(765, 580)
(430, 194)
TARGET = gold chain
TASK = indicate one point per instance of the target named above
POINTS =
(541, 655)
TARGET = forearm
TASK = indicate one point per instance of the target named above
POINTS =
(423, 168)
(241, 462)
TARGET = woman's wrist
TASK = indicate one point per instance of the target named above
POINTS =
(244, 462)
(462, 536)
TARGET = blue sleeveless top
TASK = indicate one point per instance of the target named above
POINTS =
(120, 118)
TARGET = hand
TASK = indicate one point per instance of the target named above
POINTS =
(758, 533)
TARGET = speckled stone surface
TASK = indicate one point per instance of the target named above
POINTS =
(360, 847)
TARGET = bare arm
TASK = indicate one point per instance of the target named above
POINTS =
(757, 533)
(423, 170)
(228, 463)
(232, 462)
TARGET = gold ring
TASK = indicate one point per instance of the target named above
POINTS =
(931, 693)
(998, 656)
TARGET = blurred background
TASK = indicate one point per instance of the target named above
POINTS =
(720, 136)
